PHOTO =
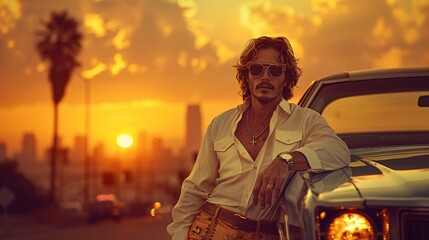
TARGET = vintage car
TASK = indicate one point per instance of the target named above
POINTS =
(105, 206)
(383, 116)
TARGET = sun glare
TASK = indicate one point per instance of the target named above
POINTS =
(124, 140)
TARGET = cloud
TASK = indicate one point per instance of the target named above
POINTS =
(390, 59)
(382, 33)
(91, 73)
(94, 24)
(173, 52)
(10, 11)
(152, 51)
(349, 35)
(138, 49)
(324, 6)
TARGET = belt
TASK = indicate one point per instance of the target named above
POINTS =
(239, 221)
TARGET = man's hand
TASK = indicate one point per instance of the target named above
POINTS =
(269, 182)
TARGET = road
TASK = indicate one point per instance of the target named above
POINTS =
(136, 228)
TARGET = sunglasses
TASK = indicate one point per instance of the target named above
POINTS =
(275, 70)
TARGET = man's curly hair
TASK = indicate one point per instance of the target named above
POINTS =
(281, 44)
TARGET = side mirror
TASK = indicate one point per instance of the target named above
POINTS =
(423, 101)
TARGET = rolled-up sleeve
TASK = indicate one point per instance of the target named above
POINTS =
(322, 147)
(195, 189)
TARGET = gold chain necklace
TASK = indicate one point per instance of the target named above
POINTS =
(254, 138)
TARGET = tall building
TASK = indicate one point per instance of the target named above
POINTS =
(193, 133)
(79, 149)
(142, 144)
(28, 148)
(193, 128)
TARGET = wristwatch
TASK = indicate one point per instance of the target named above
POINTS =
(288, 158)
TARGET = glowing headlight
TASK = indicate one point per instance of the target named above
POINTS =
(350, 226)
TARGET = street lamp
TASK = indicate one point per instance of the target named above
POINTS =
(86, 76)
(87, 131)
(86, 175)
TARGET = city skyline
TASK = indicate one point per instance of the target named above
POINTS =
(29, 147)
(147, 164)
(158, 165)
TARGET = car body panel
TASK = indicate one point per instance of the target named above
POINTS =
(386, 181)
(394, 182)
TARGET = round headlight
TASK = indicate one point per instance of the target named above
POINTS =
(351, 226)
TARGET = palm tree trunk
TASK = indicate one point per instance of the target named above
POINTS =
(54, 155)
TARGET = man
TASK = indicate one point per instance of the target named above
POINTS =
(248, 152)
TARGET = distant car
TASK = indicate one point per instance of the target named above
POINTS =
(105, 207)
(383, 116)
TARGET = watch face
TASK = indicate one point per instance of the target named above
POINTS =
(286, 156)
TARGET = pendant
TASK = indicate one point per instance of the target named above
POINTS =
(253, 141)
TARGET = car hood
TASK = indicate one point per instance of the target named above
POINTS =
(382, 176)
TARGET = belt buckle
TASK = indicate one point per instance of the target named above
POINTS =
(238, 224)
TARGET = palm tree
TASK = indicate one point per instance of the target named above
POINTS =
(59, 43)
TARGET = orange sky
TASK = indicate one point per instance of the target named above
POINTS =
(147, 59)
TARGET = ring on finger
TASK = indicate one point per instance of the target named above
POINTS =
(269, 186)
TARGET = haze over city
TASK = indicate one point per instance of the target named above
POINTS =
(147, 60)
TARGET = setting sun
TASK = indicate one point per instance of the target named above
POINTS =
(124, 140)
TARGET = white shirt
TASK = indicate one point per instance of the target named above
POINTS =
(224, 173)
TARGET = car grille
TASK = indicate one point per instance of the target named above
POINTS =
(415, 225)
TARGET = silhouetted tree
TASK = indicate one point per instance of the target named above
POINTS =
(59, 43)
(28, 197)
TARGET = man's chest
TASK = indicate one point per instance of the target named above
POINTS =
(253, 144)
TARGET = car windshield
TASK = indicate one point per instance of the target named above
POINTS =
(384, 112)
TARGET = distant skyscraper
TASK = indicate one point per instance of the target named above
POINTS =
(193, 128)
(79, 149)
(157, 146)
(99, 152)
(163, 163)
(29, 146)
(142, 144)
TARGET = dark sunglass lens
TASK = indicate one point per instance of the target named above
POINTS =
(256, 69)
(275, 70)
